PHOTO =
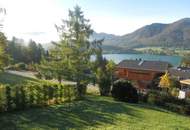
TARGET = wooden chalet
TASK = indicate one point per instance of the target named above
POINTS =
(141, 71)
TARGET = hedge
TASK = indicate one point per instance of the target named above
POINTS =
(19, 97)
(167, 101)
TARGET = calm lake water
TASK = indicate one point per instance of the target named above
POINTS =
(174, 60)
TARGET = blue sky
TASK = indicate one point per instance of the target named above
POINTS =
(36, 18)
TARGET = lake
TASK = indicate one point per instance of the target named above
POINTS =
(174, 60)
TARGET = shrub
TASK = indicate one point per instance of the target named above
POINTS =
(82, 89)
(123, 91)
(174, 92)
(39, 75)
(104, 86)
(143, 97)
(9, 100)
(104, 82)
(20, 66)
(169, 102)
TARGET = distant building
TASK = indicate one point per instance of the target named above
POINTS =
(141, 71)
(180, 72)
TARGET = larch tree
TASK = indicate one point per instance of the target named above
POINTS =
(165, 81)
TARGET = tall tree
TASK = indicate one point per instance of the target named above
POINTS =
(3, 54)
(20, 52)
(70, 58)
(33, 51)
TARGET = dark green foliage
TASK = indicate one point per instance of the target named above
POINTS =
(104, 85)
(103, 71)
(18, 66)
(169, 102)
(3, 51)
(81, 89)
(20, 97)
(28, 54)
(70, 59)
(31, 95)
(124, 91)
(45, 95)
(56, 94)
(39, 94)
(9, 101)
(61, 92)
(17, 98)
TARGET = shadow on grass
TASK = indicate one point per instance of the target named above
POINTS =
(78, 115)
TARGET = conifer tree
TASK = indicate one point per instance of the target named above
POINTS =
(70, 58)
(165, 81)
(3, 54)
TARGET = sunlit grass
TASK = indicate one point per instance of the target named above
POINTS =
(95, 113)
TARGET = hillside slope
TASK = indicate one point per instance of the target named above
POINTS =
(176, 34)
(95, 113)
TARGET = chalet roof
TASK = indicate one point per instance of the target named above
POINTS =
(180, 72)
(186, 81)
(159, 66)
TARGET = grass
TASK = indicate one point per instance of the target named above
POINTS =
(95, 112)
(12, 79)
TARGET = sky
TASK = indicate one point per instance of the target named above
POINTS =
(35, 19)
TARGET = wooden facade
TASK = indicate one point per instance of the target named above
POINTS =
(143, 73)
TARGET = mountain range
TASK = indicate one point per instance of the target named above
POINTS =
(176, 34)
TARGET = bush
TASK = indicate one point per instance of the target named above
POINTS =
(143, 97)
(21, 66)
(174, 92)
(103, 81)
(104, 86)
(169, 102)
(38, 75)
(157, 97)
(123, 91)
(18, 66)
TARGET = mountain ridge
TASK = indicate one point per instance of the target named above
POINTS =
(176, 34)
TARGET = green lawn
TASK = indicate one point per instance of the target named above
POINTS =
(94, 112)
(12, 79)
